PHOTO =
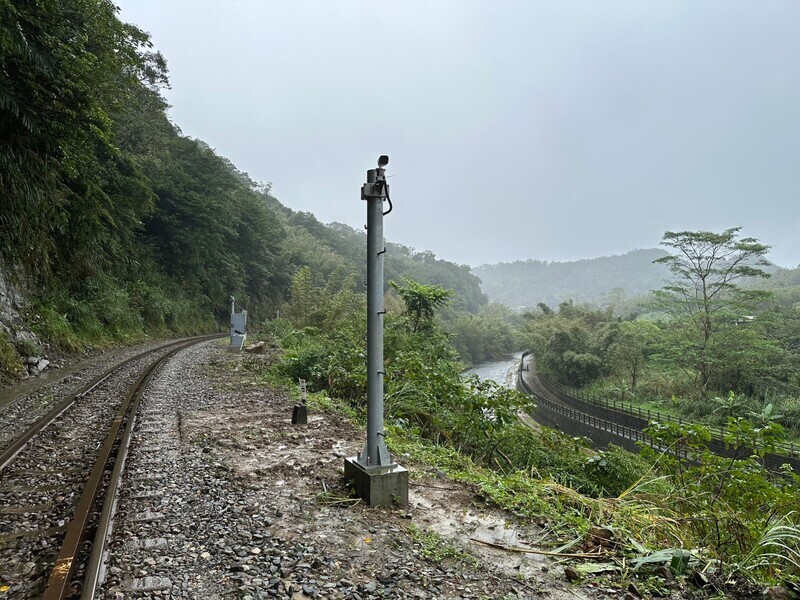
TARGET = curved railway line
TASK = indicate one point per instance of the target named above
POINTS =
(60, 476)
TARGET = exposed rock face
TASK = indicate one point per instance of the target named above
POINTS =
(12, 301)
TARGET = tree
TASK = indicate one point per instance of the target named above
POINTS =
(573, 344)
(631, 345)
(301, 304)
(704, 297)
(421, 301)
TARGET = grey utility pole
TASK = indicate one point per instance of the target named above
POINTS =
(375, 192)
(375, 476)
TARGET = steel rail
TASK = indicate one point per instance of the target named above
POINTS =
(8, 454)
(95, 561)
(58, 583)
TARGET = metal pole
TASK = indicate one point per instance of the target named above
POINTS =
(233, 311)
(375, 191)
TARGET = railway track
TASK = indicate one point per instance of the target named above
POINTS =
(59, 479)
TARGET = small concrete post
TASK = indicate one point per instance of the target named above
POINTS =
(377, 479)
(300, 412)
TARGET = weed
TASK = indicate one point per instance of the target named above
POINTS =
(320, 401)
(28, 348)
(53, 326)
(432, 547)
(330, 498)
(10, 364)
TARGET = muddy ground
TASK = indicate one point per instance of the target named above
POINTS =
(430, 549)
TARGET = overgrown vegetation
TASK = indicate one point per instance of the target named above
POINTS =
(707, 336)
(9, 359)
(656, 506)
(732, 513)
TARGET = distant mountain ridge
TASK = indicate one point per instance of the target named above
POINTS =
(596, 281)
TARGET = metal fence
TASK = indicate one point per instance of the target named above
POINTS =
(604, 421)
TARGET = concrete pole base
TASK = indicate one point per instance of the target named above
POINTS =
(378, 486)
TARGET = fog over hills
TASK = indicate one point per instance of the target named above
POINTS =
(597, 281)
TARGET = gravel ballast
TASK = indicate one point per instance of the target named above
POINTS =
(224, 498)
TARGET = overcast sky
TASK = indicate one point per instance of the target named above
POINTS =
(548, 130)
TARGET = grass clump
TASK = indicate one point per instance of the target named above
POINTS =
(434, 548)
(10, 363)
(28, 348)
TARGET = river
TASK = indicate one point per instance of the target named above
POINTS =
(497, 370)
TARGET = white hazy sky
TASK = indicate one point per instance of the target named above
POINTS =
(516, 129)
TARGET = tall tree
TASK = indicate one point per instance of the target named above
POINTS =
(703, 295)
(630, 348)
(573, 344)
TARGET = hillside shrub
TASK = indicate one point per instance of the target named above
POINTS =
(614, 470)
(729, 504)
(10, 364)
(52, 325)
(305, 353)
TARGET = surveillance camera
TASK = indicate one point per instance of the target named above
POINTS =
(383, 160)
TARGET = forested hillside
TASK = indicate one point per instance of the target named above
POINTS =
(326, 248)
(114, 224)
(721, 340)
(594, 281)
(111, 218)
